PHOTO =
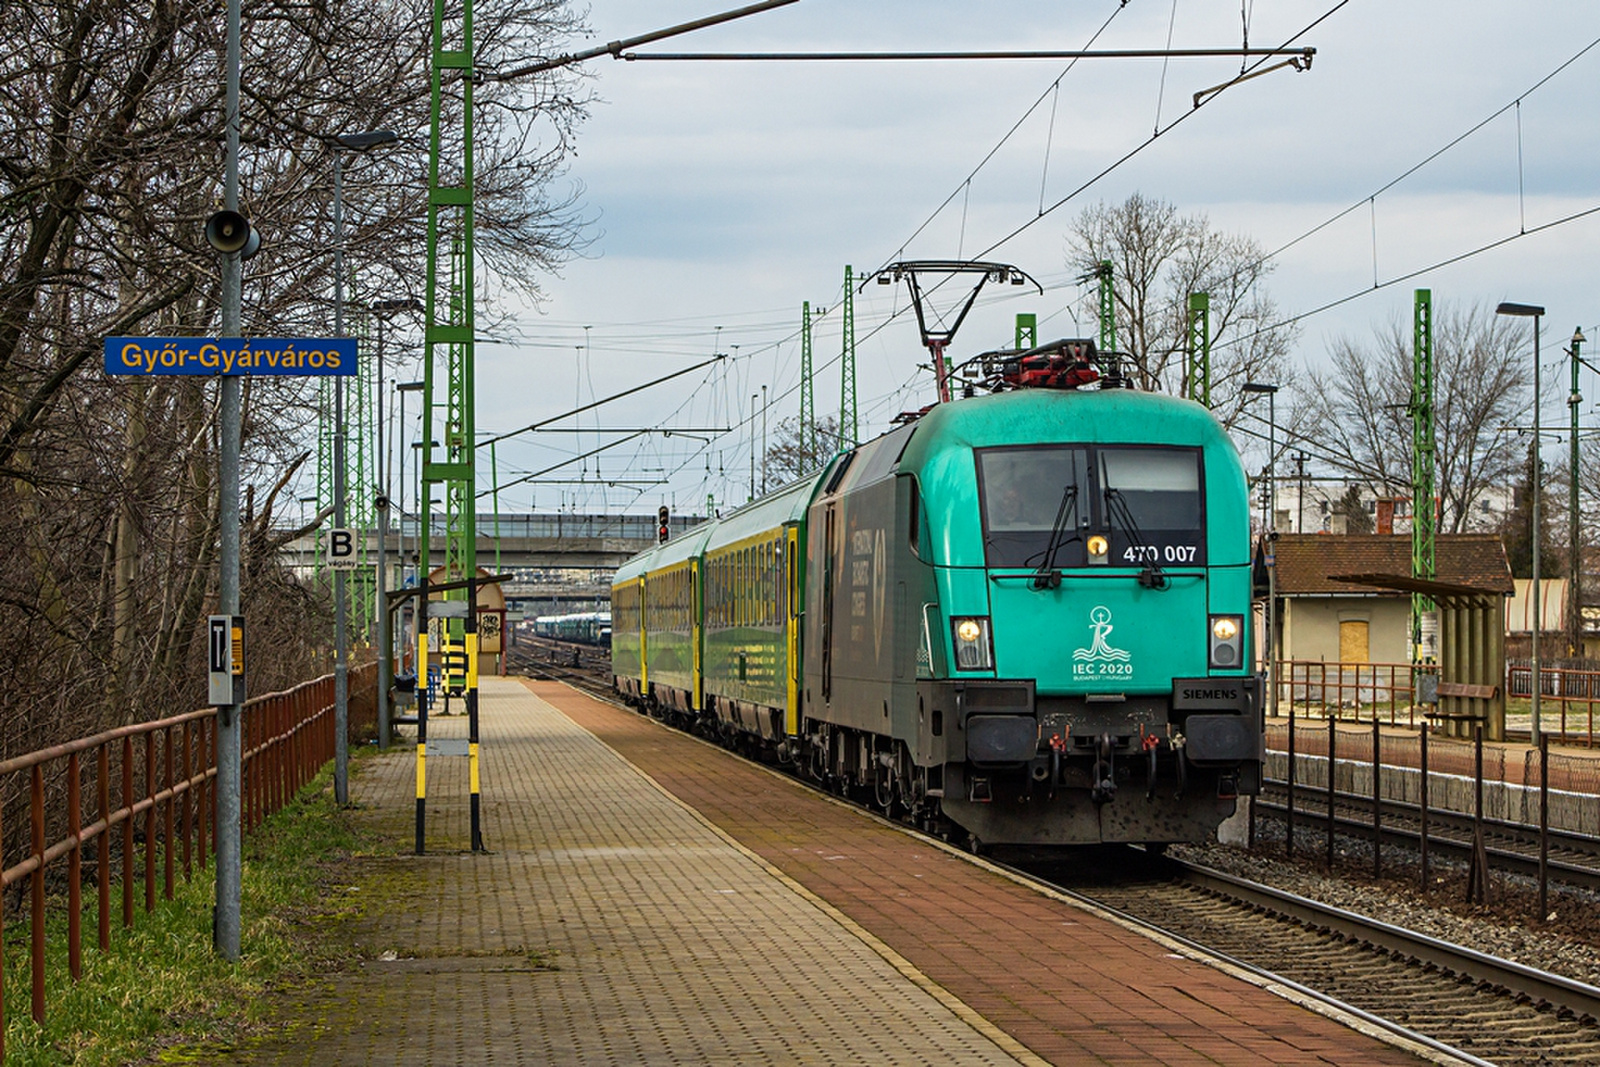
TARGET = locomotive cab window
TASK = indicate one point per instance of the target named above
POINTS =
(1153, 505)
(1041, 504)
(1035, 500)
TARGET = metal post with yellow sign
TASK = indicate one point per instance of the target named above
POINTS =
(421, 612)
(472, 707)
(447, 611)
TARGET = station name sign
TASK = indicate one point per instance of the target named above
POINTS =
(147, 356)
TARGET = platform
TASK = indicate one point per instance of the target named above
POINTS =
(650, 899)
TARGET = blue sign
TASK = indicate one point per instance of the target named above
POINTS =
(146, 356)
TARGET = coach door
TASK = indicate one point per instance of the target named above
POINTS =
(696, 601)
(644, 657)
(791, 623)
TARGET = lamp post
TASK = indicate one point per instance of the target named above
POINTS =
(403, 388)
(1534, 312)
(352, 142)
(383, 309)
(1269, 537)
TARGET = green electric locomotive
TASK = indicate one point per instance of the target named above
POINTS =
(1022, 614)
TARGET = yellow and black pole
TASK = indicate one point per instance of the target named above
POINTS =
(471, 636)
(422, 711)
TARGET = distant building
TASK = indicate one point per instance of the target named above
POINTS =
(1321, 619)
(1318, 510)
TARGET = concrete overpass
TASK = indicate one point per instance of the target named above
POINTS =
(526, 542)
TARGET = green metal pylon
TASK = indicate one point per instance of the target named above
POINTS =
(849, 430)
(1199, 370)
(324, 465)
(808, 396)
(448, 351)
(1423, 513)
(1027, 331)
(360, 483)
(1108, 308)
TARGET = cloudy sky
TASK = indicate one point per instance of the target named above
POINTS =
(725, 194)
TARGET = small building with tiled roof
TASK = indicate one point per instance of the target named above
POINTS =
(1320, 618)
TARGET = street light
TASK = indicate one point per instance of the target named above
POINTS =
(1269, 536)
(1534, 312)
(352, 142)
(403, 388)
(384, 308)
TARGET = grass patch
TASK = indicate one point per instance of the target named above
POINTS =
(160, 983)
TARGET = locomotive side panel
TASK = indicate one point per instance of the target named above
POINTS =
(859, 643)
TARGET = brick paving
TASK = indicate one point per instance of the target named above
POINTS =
(1074, 988)
(650, 899)
(608, 924)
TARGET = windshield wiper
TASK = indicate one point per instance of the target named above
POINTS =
(1047, 577)
(1151, 577)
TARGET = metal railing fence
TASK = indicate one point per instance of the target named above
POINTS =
(1360, 692)
(150, 789)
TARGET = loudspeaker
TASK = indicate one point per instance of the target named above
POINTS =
(229, 231)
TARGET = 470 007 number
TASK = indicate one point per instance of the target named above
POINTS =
(1160, 554)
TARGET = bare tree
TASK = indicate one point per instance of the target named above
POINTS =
(791, 454)
(111, 133)
(1356, 413)
(1159, 257)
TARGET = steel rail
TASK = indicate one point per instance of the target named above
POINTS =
(1208, 953)
(1540, 987)
(1450, 831)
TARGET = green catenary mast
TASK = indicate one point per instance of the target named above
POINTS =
(808, 396)
(448, 355)
(1200, 348)
(1423, 514)
(849, 430)
(1108, 308)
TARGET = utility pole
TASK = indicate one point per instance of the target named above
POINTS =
(225, 926)
(849, 430)
(1574, 545)
(1300, 504)
(1424, 516)
(763, 440)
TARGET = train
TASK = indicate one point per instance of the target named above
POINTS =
(584, 627)
(1020, 618)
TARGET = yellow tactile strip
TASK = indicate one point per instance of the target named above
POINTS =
(610, 924)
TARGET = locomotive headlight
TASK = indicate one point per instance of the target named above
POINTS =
(1227, 641)
(1098, 546)
(973, 651)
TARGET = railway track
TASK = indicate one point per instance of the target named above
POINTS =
(1573, 859)
(1458, 1001)
(1454, 998)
